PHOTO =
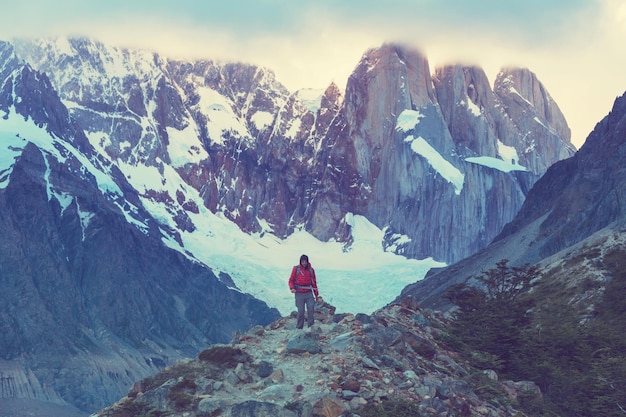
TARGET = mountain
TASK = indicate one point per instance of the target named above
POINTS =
(92, 298)
(439, 162)
(417, 154)
(574, 207)
(118, 164)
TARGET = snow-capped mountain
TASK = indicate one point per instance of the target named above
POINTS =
(134, 189)
(92, 298)
(417, 155)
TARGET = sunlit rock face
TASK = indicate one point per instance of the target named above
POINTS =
(440, 162)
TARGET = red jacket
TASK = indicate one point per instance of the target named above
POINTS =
(302, 279)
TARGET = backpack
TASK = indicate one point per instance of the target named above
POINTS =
(313, 278)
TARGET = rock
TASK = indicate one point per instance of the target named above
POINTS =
(369, 363)
(328, 407)
(276, 393)
(224, 355)
(304, 342)
(529, 388)
(351, 384)
(342, 341)
(230, 377)
(211, 406)
(391, 362)
(348, 395)
(257, 330)
(363, 318)
(242, 374)
(421, 345)
(491, 374)
(277, 376)
(357, 403)
(264, 369)
(259, 409)
(450, 388)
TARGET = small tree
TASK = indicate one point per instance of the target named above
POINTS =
(491, 319)
(504, 284)
(579, 366)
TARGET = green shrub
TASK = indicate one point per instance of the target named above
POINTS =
(181, 394)
(580, 368)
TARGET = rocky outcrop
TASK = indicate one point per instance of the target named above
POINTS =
(343, 364)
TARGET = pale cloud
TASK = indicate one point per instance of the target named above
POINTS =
(576, 47)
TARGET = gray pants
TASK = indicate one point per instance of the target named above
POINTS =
(305, 299)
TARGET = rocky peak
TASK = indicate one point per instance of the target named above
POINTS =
(519, 85)
(460, 88)
(8, 60)
(403, 137)
(386, 81)
(539, 122)
(580, 195)
(343, 364)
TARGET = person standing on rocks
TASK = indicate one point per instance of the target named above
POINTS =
(303, 284)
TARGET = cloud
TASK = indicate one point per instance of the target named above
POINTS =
(575, 47)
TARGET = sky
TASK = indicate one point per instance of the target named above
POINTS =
(575, 47)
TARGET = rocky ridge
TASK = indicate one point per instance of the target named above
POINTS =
(343, 364)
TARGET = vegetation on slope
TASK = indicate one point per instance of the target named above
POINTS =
(576, 358)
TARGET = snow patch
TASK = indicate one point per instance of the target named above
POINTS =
(293, 130)
(184, 147)
(508, 163)
(407, 120)
(311, 98)
(472, 107)
(444, 168)
(495, 163)
(359, 278)
(85, 218)
(221, 119)
(262, 119)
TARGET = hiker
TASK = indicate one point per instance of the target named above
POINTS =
(303, 284)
